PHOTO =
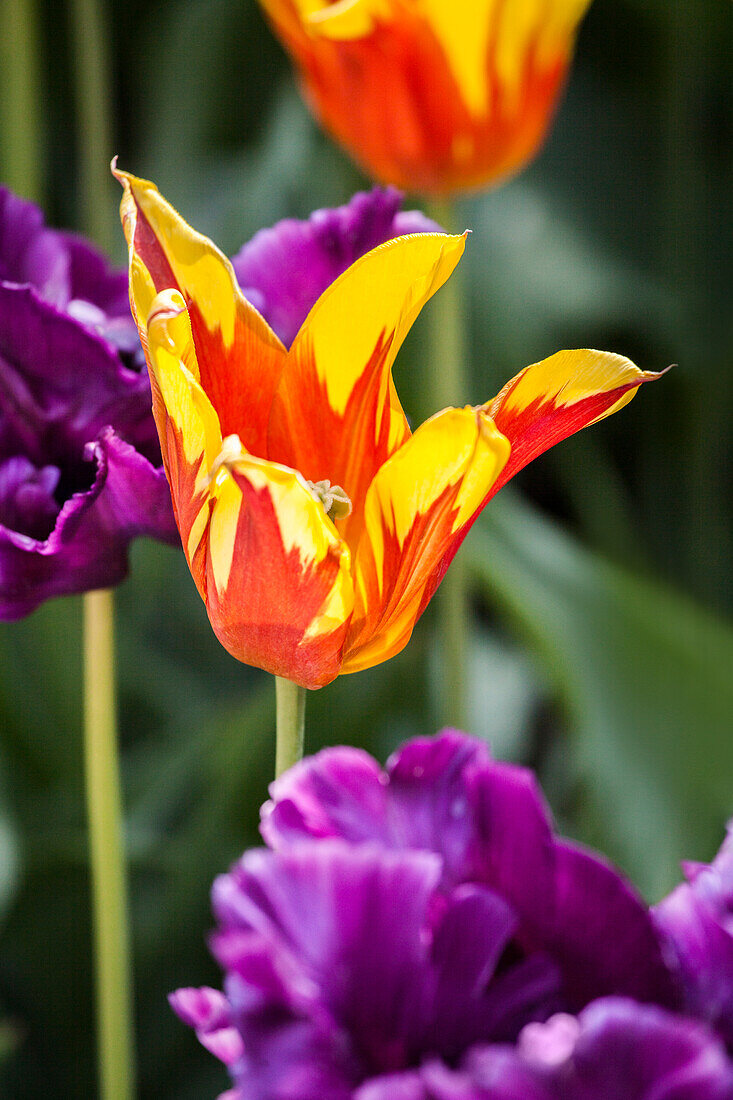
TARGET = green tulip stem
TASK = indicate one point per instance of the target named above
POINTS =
(21, 129)
(450, 388)
(115, 1035)
(94, 128)
(104, 809)
(290, 724)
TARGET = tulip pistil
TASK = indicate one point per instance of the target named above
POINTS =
(334, 499)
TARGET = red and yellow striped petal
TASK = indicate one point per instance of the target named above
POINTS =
(417, 509)
(551, 400)
(273, 572)
(188, 427)
(239, 358)
(336, 414)
(278, 580)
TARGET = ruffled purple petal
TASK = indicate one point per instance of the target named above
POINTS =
(93, 279)
(477, 992)
(87, 547)
(61, 383)
(31, 253)
(344, 963)
(697, 920)
(27, 501)
(340, 792)
(490, 825)
(634, 1051)
(616, 1049)
(284, 270)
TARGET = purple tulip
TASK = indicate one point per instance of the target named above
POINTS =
(490, 825)
(80, 472)
(421, 933)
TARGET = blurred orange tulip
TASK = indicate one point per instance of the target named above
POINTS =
(432, 95)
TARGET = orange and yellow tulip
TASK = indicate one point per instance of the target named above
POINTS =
(432, 95)
(317, 526)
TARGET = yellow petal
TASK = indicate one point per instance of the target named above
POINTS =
(345, 19)
(173, 366)
(569, 378)
(238, 357)
(377, 298)
(199, 270)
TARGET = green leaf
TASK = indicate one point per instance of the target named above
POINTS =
(644, 676)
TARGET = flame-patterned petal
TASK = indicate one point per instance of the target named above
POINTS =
(419, 505)
(551, 400)
(239, 357)
(287, 587)
(339, 370)
(279, 588)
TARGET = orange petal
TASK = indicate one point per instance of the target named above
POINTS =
(553, 399)
(278, 584)
(418, 509)
(239, 358)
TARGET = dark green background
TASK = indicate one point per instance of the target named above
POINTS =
(601, 651)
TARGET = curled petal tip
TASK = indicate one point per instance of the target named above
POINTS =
(166, 306)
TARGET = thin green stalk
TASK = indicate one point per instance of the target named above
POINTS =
(450, 387)
(21, 130)
(290, 724)
(115, 1036)
(104, 809)
(93, 120)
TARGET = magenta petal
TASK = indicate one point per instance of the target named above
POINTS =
(29, 252)
(338, 793)
(640, 1052)
(395, 1086)
(207, 1011)
(284, 270)
(697, 921)
(204, 1009)
(88, 546)
(489, 823)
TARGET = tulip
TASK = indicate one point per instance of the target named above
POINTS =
(316, 525)
(434, 97)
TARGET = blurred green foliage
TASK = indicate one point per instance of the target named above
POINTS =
(601, 653)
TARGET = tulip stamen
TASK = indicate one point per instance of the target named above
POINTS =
(335, 501)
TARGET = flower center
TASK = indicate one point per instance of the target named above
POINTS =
(335, 501)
